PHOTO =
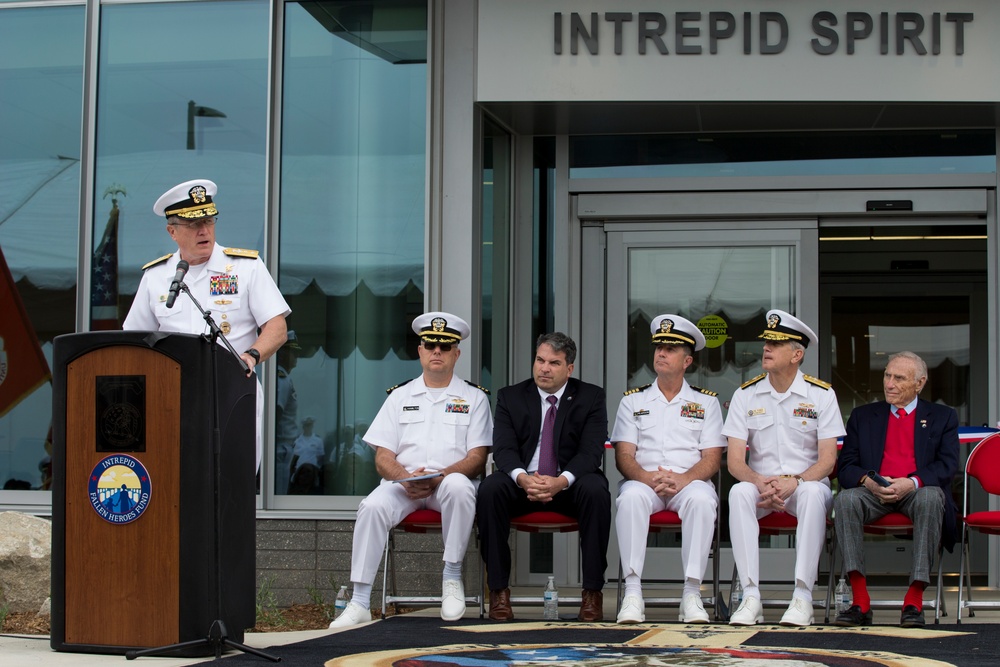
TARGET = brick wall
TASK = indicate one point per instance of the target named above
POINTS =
(299, 555)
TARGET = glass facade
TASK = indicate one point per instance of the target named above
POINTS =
(351, 253)
(41, 84)
(171, 104)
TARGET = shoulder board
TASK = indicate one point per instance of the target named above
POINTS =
(158, 260)
(481, 388)
(816, 381)
(638, 389)
(392, 389)
(240, 252)
(282, 374)
(707, 392)
(753, 381)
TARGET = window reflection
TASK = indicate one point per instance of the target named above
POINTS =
(726, 289)
(161, 90)
(41, 79)
(352, 221)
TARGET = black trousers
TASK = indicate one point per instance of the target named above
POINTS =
(587, 500)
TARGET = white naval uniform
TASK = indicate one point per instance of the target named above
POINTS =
(672, 435)
(432, 433)
(782, 434)
(237, 290)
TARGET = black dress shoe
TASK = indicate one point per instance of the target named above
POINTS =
(911, 617)
(853, 617)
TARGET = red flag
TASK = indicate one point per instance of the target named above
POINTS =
(22, 365)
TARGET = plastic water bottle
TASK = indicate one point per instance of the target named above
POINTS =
(340, 604)
(842, 596)
(551, 596)
(735, 596)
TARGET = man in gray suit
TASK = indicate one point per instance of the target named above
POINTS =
(898, 456)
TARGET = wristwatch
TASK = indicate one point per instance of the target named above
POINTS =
(255, 354)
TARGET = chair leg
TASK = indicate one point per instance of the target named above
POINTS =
(721, 609)
(830, 580)
(482, 580)
(386, 569)
(939, 603)
(961, 576)
(621, 576)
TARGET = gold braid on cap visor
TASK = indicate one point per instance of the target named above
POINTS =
(440, 337)
(782, 335)
(200, 211)
(671, 339)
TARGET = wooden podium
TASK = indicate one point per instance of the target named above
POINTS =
(134, 526)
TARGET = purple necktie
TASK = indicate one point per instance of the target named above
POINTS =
(548, 464)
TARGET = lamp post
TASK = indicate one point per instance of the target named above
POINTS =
(196, 110)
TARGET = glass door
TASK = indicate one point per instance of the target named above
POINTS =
(724, 278)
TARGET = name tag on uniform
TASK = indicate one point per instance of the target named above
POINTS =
(411, 408)
(755, 411)
(640, 413)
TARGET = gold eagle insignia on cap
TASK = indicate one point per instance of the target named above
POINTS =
(666, 326)
(438, 324)
(198, 194)
(773, 321)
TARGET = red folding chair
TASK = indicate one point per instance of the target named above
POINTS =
(983, 465)
(418, 522)
(544, 522)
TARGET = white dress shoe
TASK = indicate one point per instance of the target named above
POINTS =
(799, 613)
(633, 610)
(692, 610)
(452, 600)
(354, 614)
(749, 613)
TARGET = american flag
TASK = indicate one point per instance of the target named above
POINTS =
(104, 271)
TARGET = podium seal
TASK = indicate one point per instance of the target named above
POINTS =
(119, 489)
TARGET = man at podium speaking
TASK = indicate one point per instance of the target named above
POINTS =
(233, 283)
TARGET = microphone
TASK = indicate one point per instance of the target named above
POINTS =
(175, 287)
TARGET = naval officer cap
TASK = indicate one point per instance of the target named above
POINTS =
(676, 330)
(784, 326)
(191, 200)
(439, 327)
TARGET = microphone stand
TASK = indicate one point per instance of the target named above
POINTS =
(218, 636)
